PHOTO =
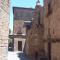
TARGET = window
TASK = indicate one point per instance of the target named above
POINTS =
(29, 25)
(49, 8)
(39, 18)
(19, 45)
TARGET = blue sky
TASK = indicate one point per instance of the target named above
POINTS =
(21, 3)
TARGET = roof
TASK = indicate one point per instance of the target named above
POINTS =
(22, 8)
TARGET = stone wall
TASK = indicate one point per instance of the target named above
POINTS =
(34, 42)
(4, 29)
(52, 21)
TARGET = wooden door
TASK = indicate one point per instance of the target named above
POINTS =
(19, 45)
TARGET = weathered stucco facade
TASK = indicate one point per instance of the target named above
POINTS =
(4, 28)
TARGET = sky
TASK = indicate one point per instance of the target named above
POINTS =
(21, 3)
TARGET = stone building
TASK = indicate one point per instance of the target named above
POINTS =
(46, 37)
(52, 28)
(4, 28)
(21, 15)
(35, 32)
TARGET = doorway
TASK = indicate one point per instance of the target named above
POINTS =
(19, 45)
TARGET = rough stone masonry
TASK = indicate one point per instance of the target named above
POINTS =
(4, 28)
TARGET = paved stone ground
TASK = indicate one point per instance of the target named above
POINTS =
(17, 56)
(12, 56)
